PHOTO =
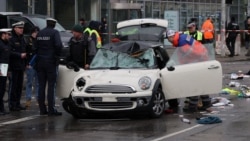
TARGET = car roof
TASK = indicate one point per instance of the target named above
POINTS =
(158, 22)
(35, 15)
(11, 13)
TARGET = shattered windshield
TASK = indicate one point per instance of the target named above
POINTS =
(107, 59)
(189, 54)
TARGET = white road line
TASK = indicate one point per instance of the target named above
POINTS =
(176, 133)
(19, 120)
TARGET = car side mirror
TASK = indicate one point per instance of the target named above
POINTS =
(171, 68)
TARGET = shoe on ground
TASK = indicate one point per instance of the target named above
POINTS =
(56, 113)
(3, 113)
(14, 109)
(247, 54)
(28, 103)
(21, 107)
(43, 113)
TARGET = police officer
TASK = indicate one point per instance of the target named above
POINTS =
(5, 34)
(197, 35)
(232, 35)
(17, 66)
(49, 46)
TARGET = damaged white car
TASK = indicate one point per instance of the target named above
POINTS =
(135, 74)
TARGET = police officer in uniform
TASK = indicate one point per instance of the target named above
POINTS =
(5, 34)
(17, 66)
(197, 35)
(232, 35)
(49, 46)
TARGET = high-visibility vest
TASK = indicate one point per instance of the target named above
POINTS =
(197, 36)
(98, 37)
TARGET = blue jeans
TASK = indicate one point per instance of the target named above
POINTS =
(32, 80)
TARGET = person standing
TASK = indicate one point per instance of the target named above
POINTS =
(103, 31)
(231, 36)
(190, 51)
(30, 71)
(247, 37)
(197, 35)
(17, 66)
(48, 49)
(82, 22)
(208, 29)
(81, 51)
(5, 35)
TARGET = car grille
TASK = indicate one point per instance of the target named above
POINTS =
(110, 105)
(110, 89)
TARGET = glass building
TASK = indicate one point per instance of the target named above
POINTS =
(67, 12)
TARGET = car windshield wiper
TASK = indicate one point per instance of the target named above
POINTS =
(143, 61)
(114, 68)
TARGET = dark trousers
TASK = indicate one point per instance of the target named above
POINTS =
(173, 103)
(230, 45)
(193, 101)
(47, 73)
(16, 85)
(3, 81)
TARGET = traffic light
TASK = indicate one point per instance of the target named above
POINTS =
(229, 1)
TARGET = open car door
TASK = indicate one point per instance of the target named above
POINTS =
(192, 78)
(65, 81)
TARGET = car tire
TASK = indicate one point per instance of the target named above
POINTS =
(70, 107)
(157, 105)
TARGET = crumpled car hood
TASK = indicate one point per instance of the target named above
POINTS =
(117, 77)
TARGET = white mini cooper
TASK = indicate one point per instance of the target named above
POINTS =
(136, 74)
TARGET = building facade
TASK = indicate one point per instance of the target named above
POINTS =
(67, 12)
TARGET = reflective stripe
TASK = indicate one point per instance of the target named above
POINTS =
(198, 37)
(98, 37)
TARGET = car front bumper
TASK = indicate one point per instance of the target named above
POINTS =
(113, 102)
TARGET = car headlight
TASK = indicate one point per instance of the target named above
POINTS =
(80, 83)
(145, 83)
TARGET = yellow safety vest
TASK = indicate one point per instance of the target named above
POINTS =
(98, 37)
(198, 36)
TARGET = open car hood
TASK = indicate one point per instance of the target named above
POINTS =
(130, 47)
(142, 29)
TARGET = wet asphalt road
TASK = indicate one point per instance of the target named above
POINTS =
(29, 125)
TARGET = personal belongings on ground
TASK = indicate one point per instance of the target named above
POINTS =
(209, 120)
(185, 120)
(221, 101)
(235, 76)
(234, 84)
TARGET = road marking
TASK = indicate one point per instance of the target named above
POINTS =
(176, 133)
(19, 120)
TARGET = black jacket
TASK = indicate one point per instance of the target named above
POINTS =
(18, 46)
(4, 52)
(232, 26)
(48, 45)
(79, 51)
(30, 48)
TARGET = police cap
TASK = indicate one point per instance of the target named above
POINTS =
(191, 24)
(18, 24)
(51, 20)
(5, 30)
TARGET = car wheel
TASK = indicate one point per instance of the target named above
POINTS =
(70, 107)
(157, 104)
